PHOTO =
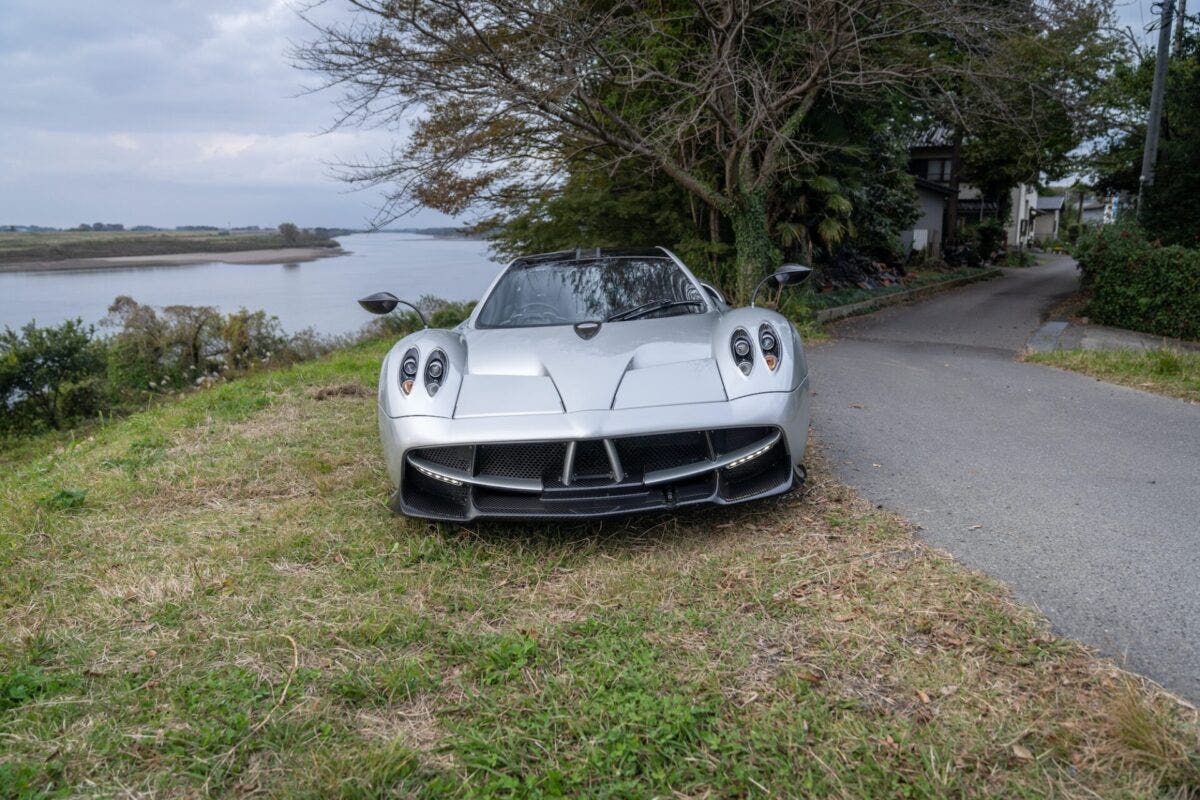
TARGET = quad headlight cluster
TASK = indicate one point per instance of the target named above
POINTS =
(435, 371)
(742, 347)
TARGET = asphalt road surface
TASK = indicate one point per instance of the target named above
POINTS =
(1081, 495)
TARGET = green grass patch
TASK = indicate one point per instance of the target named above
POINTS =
(1174, 373)
(231, 610)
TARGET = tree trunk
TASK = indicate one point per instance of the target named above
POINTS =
(755, 254)
(950, 235)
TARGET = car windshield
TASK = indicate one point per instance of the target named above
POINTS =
(592, 290)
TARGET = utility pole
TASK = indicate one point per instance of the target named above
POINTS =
(1150, 155)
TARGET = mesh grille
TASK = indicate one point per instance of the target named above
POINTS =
(536, 460)
(762, 474)
(730, 439)
(648, 453)
(591, 461)
(454, 457)
(494, 502)
(433, 498)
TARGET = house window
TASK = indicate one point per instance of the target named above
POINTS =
(938, 170)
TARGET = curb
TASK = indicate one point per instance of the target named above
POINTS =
(866, 306)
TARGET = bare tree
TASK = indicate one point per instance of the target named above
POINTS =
(715, 94)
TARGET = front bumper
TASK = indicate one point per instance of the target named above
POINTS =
(771, 427)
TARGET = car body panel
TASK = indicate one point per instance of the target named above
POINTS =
(503, 395)
(677, 383)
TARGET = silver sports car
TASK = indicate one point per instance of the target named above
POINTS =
(594, 383)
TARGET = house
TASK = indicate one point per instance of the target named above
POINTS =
(1100, 211)
(926, 233)
(932, 161)
(1047, 223)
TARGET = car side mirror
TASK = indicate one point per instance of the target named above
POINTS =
(380, 303)
(792, 274)
(786, 275)
(386, 302)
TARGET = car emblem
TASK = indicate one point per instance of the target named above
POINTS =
(587, 330)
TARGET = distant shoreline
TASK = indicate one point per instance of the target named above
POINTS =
(279, 255)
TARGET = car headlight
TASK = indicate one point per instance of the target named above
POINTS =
(768, 340)
(408, 369)
(743, 351)
(435, 372)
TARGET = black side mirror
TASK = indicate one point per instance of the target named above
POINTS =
(380, 303)
(787, 275)
(792, 274)
(386, 302)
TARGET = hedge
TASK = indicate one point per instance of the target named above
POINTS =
(1138, 284)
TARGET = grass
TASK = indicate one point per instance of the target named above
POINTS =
(915, 279)
(1171, 372)
(18, 248)
(210, 598)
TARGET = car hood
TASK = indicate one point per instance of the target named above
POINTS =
(624, 365)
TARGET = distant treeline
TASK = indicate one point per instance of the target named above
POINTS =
(112, 227)
(18, 248)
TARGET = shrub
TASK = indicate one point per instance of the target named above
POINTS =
(250, 337)
(1138, 284)
(440, 314)
(1019, 258)
(45, 375)
(989, 233)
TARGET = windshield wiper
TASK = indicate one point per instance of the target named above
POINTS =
(650, 308)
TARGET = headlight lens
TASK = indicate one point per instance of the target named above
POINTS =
(743, 351)
(408, 369)
(435, 371)
(768, 340)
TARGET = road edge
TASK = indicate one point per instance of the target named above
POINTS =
(896, 298)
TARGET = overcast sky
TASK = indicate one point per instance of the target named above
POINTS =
(169, 112)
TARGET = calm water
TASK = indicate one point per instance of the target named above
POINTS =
(319, 294)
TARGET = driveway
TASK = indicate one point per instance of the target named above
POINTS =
(1081, 495)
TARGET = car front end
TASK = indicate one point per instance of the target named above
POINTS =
(551, 408)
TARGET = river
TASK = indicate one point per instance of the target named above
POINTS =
(319, 294)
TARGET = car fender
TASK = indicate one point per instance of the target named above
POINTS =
(392, 400)
(786, 377)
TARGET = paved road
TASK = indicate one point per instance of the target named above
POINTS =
(1083, 496)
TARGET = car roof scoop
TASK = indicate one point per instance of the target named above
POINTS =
(586, 330)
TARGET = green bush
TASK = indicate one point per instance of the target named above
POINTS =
(1138, 284)
(439, 313)
(1019, 258)
(989, 233)
(47, 375)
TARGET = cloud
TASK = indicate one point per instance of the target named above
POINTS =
(109, 99)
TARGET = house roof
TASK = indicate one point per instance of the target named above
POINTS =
(1051, 203)
(934, 136)
(932, 186)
